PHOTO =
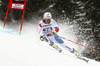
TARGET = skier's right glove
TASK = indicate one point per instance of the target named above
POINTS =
(42, 38)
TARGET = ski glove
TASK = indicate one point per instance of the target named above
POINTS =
(42, 38)
(53, 33)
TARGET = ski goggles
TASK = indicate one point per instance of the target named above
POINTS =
(46, 20)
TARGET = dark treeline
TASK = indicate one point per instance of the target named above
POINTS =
(67, 9)
(92, 10)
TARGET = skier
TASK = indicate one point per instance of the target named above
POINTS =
(47, 31)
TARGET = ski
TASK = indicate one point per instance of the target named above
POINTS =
(84, 59)
(78, 57)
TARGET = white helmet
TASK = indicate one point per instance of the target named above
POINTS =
(47, 15)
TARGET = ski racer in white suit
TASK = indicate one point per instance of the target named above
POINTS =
(47, 31)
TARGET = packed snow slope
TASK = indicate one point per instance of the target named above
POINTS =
(16, 50)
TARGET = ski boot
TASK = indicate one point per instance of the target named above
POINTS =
(56, 47)
(72, 50)
(76, 53)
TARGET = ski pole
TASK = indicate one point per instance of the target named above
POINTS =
(77, 43)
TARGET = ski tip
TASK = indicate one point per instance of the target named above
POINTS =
(60, 51)
(87, 61)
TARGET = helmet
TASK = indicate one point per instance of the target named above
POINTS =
(47, 15)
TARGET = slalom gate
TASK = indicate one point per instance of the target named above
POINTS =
(19, 5)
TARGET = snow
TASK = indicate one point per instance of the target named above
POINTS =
(27, 50)
(81, 14)
(51, 5)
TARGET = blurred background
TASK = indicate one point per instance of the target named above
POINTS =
(82, 15)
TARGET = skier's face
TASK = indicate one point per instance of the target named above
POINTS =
(47, 21)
